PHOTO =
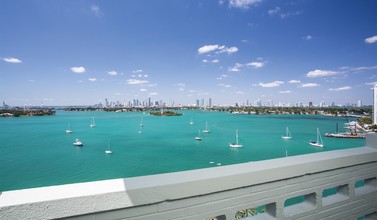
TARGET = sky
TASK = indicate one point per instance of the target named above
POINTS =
(281, 51)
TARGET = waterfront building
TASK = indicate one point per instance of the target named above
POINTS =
(359, 103)
(375, 104)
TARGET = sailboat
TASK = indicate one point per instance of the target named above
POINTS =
(141, 122)
(236, 145)
(92, 123)
(191, 122)
(198, 138)
(319, 142)
(206, 130)
(68, 131)
(108, 151)
(287, 134)
(78, 143)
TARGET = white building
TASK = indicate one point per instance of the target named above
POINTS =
(375, 104)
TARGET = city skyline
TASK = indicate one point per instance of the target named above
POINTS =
(81, 53)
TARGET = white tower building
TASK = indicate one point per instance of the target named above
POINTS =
(375, 104)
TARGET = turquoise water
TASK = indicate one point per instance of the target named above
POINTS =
(36, 151)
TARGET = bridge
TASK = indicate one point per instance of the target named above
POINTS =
(339, 184)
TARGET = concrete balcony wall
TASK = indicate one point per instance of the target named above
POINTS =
(219, 192)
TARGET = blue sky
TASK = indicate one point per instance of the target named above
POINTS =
(81, 52)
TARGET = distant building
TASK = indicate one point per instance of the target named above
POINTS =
(359, 103)
(209, 102)
(310, 104)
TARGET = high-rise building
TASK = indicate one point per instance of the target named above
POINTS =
(197, 103)
(375, 104)
(209, 102)
(359, 103)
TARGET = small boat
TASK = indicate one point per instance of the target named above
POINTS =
(206, 130)
(78, 143)
(141, 122)
(68, 131)
(108, 151)
(236, 145)
(92, 123)
(287, 135)
(198, 138)
(319, 142)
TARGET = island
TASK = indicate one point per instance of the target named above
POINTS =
(165, 113)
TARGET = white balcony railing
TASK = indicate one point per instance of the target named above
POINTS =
(340, 184)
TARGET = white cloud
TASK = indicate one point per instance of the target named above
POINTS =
(256, 64)
(308, 37)
(340, 88)
(371, 40)
(92, 79)
(285, 92)
(222, 76)
(137, 71)
(153, 94)
(228, 50)
(294, 81)
(224, 85)
(112, 73)
(240, 92)
(363, 68)
(211, 61)
(235, 68)
(217, 49)
(271, 84)
(136, 81)
(273, 11)
(243, 4)
(371, 83)
(12, 60)
(180, 84)
(96, 10)
(208, 48)
(143, 90)
(320, 73)
(308, 85)
(78, 69)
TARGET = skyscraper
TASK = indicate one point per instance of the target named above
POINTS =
(375, 104)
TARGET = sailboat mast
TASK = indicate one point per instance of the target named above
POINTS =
(237, 137)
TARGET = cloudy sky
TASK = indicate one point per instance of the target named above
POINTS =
(81, 52)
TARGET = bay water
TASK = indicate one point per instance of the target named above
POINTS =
(36, 151)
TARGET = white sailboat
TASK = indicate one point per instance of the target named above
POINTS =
(319, 142)
(78, 143)
(92, 123)
(191, 122)
(108, 151)
(68, 131)
(287, 134)
(198, 138)
(206, 130)
(236, 145)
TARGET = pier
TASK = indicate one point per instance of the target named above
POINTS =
(339, 184)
